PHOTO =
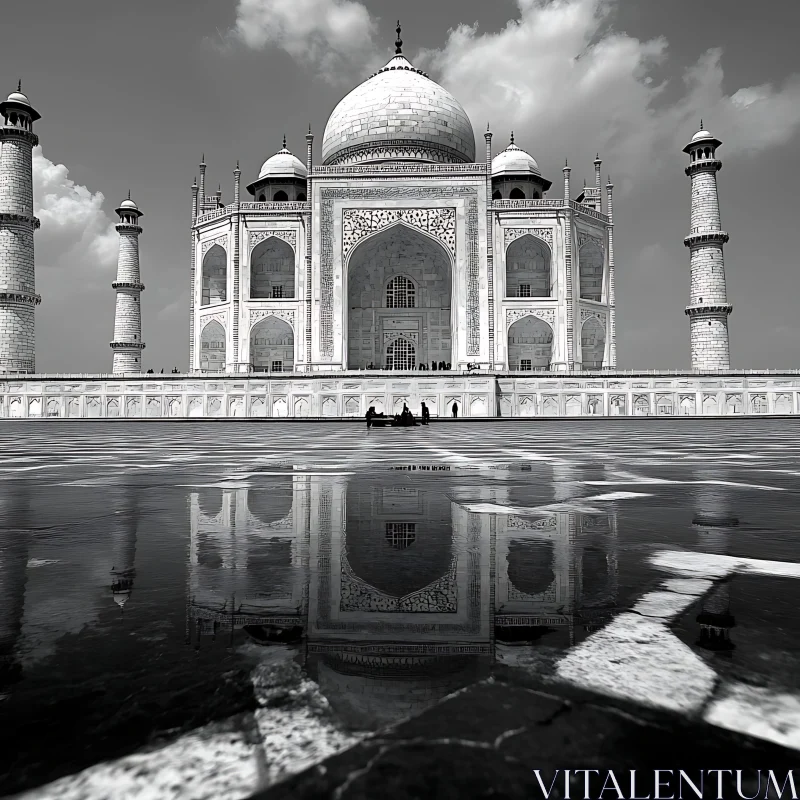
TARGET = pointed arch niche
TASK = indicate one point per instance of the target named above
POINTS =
(272, 346)
(378, 313)
(591, 260)
(528, 268)
(212, 347)
(530, 344)
(272, 270)
(215, 276)
(593, 343)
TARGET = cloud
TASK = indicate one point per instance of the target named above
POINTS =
(561, 74)
(76, 235)
(334, 36)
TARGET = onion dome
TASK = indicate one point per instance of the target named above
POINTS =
(19, 101)
(398, 113)
(514, 161)
(283, 165)
(702, 136)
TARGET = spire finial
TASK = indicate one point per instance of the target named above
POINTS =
(597, 157)
(398, 45)
(487, 127)
(284, 141)
(237, 163)
(129, 194)
(309, 127)
(566, 163)
(202, 159)
(701, 123)
(512, 137)
(19, 85)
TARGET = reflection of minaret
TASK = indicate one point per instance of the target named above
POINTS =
(123, 543)
(713, 522)
(14, 509)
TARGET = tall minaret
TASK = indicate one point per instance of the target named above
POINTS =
(128, 344)
(708, 307)
(18, 296)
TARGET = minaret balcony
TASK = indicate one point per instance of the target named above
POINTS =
(10, 218)
(706, 165)
(12, 132)
(27, 298)
(708, 309)
(125, 227)
(706, 237)
(127, 345)
(131, 285)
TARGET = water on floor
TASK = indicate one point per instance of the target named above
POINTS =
(299, 586)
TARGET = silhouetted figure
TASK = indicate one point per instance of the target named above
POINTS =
(162, 370)
(149, 372)
(370, 414)
(421, 366)
(447, 365)
(433, 366)
(455, 410)
(426, 414)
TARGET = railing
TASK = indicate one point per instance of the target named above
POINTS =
(399, 169)
(499, 205)
(275, 206)
(209, 215)
(589, 212)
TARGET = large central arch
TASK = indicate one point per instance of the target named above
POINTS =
(399, 285)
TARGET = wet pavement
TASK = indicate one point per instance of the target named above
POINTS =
(202, 609)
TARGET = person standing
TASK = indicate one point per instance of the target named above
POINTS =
(455, 410)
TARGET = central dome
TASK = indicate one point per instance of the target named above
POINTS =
(398, 114)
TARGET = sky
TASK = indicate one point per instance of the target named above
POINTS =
(132, 94)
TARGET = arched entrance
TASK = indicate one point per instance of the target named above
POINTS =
(591, 259)
(593, 344)
(215, 276)
(272, 346)
(272, 270)
(212, 347)
(401, 354)
(530, 344)
(399, 285)
(528, 268)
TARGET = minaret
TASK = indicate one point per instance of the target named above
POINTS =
(127, 344)
(18, 297)
(489, 242)
(708, 307)
(122, 534)
(569, 288)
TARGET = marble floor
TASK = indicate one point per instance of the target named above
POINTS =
(198, 610)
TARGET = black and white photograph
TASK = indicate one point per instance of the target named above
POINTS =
(375, 423)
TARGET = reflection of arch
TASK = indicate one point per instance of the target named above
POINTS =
(530, 344)
(273, 506)
(528, 268)
(593, 343)
(212, 347)
(530, 566)
(401, 354)
(272, 270)
(373, 266)
(591, 271)
(272, 346)
(215, 276)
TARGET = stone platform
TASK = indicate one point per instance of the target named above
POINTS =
(349, 394)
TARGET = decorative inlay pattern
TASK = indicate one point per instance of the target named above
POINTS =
(545, 234)
(412, 336)
(287, 315)
(222, 241)
(584, 238)
(591, 312)
(327, 198)
(360, 222)
(221, 317)
(439, 597)
(289, 236)
(515, 314)
(548, 523)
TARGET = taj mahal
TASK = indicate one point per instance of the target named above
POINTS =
(401, 264)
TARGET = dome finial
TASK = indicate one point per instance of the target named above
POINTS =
(701, 124)
(512, 137)
(284, 141)
(398, 45)
(129, 194)
(19, 85)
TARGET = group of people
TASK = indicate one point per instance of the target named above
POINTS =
(175, 371)
(404, 419)
(435, 365)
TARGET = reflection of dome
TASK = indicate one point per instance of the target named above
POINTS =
(530, 565)
(514, 161)
(283, 165)
(121, 597)
(399, 113)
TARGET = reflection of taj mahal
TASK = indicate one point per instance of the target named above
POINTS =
(393, 583)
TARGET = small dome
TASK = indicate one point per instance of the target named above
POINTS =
(402, 112)
(18, 97)
(283, 165)
(701, 135)
(129, 204)
(122, 597)
(514, 161)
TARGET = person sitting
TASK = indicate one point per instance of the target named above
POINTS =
(369, 415)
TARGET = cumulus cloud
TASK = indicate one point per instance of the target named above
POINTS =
(561, 76)
(334, 36)
(76, 234)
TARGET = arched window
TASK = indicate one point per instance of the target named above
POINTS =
(301, 198)
(212, 347)
(517, 194)
(496, 195)
(280, 196)
(272, 346)
(272, 270)
(262, 198)
(215, 276)
(401, 354)
(530, 344)
(528, 268)
(592, 259)
(400, 293)
(593, 343)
